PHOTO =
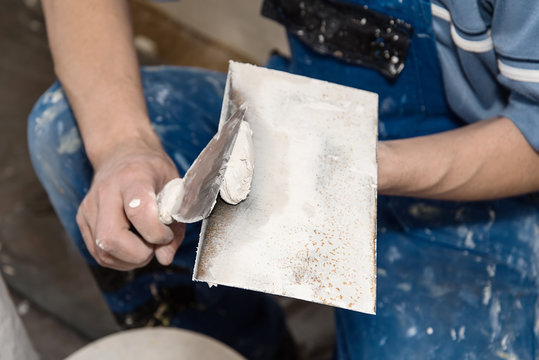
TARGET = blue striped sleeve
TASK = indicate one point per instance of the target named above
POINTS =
(515, 34)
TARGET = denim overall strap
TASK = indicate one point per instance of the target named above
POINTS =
(407, 104)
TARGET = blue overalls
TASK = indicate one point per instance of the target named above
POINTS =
(455, 280)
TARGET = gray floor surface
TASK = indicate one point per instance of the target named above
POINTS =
(51, 287)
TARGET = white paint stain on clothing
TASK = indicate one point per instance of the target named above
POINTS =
(430, 330)
(47, 116)
(424, 211)
(393, 254)
(491, 270)
(56, 96)
(506, 356)
(504, 342)
(462, 333)
(462, 231)
(492, 218)
(536, 323)
(404, 287)
(453, 334)
(70, 142)
(468, 242)
(411, 332)
(487, 294)
(494, 318)
(162, 95)
(53, 97)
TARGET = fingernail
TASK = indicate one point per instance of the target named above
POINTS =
(166, 255)
(100, 244)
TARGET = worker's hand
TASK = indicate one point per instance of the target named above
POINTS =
(122, 194)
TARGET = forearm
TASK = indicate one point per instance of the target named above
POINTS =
(95, 60)
(486, 160)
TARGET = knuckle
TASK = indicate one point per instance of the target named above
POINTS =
(79, 218)
(134, 208)
(161, 238)
(102, 192)
(106, 259)
(100, 260)
(83, 207)
(133, 169)
(104, 245)
(143, 258)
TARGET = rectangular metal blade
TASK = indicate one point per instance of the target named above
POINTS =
(308, 228)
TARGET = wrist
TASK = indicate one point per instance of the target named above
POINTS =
(386, 168)
(103, 145)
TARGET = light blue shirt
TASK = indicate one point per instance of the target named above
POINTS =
(489, 54)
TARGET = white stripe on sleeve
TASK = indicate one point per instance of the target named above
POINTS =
(518, 74)
(440, 12)
(475, 46)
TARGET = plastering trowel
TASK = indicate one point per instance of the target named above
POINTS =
(308, 227)
(193, 197)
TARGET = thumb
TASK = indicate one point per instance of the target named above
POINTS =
(165, 253)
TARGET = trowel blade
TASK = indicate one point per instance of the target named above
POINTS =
(308, 227)
(203, 179)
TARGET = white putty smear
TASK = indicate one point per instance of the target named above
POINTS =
(135, 203)
(308, 227)
(236, 183)
(169, 200)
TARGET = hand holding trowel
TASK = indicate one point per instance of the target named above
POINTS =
(192, 198)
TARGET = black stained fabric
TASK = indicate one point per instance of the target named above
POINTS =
(348, 32)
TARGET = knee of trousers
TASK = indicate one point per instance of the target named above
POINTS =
(58, 155)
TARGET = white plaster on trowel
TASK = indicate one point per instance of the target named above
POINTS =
(236, 183)
(234, 188)
(169, 200)
(308, 227)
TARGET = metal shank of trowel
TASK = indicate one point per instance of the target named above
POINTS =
(203, 179)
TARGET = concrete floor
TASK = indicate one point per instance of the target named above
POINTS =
(51, 286)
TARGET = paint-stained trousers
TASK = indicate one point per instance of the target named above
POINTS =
(455, 280)
(184, 106)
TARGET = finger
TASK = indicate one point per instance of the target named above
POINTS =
(141, 210)
(104, 259)
(86, 233)
(99, 254)
(165, 253)
(86, 219)
(113, 236)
